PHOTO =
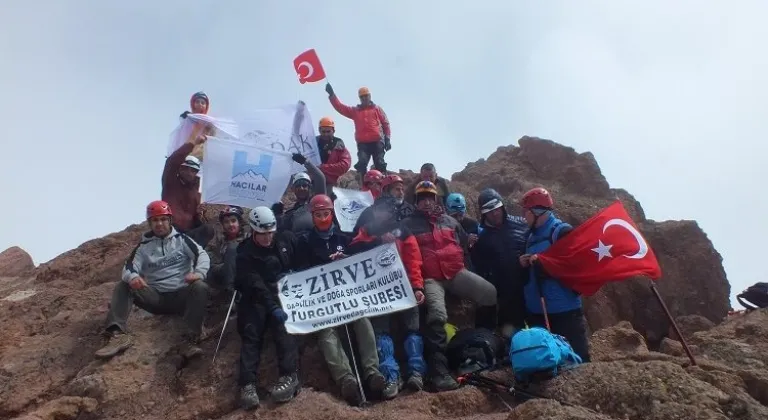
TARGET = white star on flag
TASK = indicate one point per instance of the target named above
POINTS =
(602, 250)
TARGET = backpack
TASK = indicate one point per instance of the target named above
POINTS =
(474, 349)
(536, 350)
(756, 296)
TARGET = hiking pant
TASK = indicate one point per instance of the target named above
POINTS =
(222, 276)
(252, 322)
(509, 310)
(331, 342)
(414, 345)
(201, 234)
(364, 153)
(189, 301)
(571, 325)
(466, 285)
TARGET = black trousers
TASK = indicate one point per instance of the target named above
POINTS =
(570, 325)
(252, 322)
(364, 153)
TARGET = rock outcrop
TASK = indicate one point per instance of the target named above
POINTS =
(15, 262)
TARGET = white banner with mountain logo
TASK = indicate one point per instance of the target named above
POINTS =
(349, 205)
(245, 175)
(368, 284)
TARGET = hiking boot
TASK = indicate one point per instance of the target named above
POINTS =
(189, 348)
(286, 388)
(249, 398)
(415, 382)
(350, 391)
(117, 342)
(443, 381)
(376, 383)
(390, 390)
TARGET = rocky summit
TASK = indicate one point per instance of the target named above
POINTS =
(52, 316)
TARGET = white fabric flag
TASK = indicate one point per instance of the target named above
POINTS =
(223, 128)
(245, 175)
(349, 205)
(368, 284)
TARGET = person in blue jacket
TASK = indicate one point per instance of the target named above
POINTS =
(495, 257)
(563, 305)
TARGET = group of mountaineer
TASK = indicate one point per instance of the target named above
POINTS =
(181, 261)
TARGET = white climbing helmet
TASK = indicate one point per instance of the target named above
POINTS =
(192, 162)
(301, 176)
(262, 220)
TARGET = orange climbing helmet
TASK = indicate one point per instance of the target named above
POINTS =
(373, 176)
(537, 198)
(320, 202)
(363, 91)
(426, 187)
(327, 122)
(391, 179)
(158, 208)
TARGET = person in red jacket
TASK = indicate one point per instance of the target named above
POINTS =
(334, 155)
(385, 228)
(443, 245)
(371, 129)
(372, 181)
(181, 190)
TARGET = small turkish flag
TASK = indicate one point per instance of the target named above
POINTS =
(607, 247)
(308, 67)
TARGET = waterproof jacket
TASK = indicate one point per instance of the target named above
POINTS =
(470, 225)
(335, 159)
(259, 268)
(371, 123)
(369, 237)
(298, 218)
(442, 242)
(404, 210)
(557, 297)
(443, 190)
(183, 198)
(316, 248)
(218, 246)
(164, 262)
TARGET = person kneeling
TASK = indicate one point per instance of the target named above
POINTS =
(262, 259)
(384, 228)
(163, 275)
(322, 245)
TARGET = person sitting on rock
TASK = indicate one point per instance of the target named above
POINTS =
(372, 182)
(385, 228)
(495, 256)
(443, 245)
(429, 173)
(334, 155)
(181, 190)
(262, 259)
(224, 255)
(563, 305)
(322, 245)
(163, 275)
(304, 185)
(393, 186)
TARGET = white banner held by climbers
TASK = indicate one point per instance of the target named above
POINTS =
(349, 205)
(368, 284)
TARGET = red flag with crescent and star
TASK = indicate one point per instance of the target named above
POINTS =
(308, 67)
(607, 247)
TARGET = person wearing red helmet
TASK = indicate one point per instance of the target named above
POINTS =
(322, 245)
(563, 305)
(393, 186)
(372, 182)
(223, 249)
(334, 156)
(304, 186)
(428, 172)
(163, 275)
(199, 103)
(444, 249)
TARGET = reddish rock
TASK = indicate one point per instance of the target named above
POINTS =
(15, 262)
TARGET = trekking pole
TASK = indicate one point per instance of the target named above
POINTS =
(229, 311)
(354, 363)
(674, 324)
(541, 295)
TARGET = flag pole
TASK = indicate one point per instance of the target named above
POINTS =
(672, 321)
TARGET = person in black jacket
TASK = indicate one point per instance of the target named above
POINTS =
(262, 259)
(392, 186)
(495, 257)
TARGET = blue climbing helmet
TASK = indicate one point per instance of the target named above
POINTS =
(455, 203)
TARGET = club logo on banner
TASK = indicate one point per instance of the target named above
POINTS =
(349, 205)
(243, 174)
(372, 283)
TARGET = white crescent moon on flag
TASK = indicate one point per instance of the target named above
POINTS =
(311, 70)
(643, 246)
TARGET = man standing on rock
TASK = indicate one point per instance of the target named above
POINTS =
(392, 185)
(429, 173)
(163, 275)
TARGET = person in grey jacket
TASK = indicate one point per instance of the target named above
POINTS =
(163, 275)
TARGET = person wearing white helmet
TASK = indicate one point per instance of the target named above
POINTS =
(304, 186)
(181, 190)
(262, 259)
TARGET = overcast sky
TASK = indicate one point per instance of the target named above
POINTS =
(670, 96)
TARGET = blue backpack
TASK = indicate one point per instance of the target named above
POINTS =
(535, 350)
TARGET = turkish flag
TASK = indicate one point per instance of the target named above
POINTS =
(607, 247)
(308, 67)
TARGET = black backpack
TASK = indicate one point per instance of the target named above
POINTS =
(474, 349)
(756, 296)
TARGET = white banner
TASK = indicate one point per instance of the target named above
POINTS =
(368, 284)
(244, 175)
(222, 128)
(349, 205)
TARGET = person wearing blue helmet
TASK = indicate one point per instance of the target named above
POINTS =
(456, 207)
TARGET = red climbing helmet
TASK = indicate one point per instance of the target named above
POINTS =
(320, 202)
(158, 208)
(373, 176)
(391, 179)
(537, 198)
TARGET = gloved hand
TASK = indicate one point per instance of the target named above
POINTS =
(329, 89)
(387, 144)
(277, 208)
(299, 158)
(184, 114)
(280, 315)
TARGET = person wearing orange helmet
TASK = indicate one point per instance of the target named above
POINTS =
(393, 186)
(372, 182)
(444, 249)
(163, 275)
(371, 129)
(322, 245)
(334, 156)
(563, 305)
(428, 172)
